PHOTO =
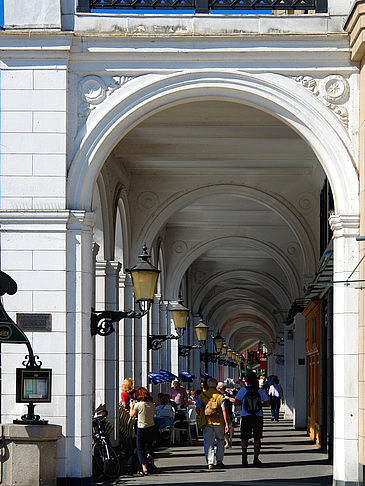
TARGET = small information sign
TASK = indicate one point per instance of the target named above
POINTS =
(34, 322)
(33, 386)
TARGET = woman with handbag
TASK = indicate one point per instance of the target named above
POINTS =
(144, 410)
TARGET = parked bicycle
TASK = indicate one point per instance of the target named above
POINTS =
(105, 461)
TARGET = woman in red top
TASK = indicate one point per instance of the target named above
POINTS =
(128, 393)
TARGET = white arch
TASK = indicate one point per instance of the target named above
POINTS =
(302, 231)
(123, 213)
(248, 308)
(240, 300)
(278, 290)
(259, 334)
(283, 98)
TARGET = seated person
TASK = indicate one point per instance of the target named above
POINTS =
(192, 397)
(165, 414)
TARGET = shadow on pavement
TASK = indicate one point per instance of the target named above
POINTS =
(314, 481)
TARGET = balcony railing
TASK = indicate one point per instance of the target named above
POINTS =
(203, 6)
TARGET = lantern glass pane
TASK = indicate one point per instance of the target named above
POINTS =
(201, 331)
(218, 343)
(180, 318)
(144, 284)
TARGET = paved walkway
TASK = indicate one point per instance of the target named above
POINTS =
(289, 458)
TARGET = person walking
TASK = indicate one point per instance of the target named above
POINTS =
(227, 404)
(179, 395)
(276, 398)
(144, 410)
(251, 398)
(214, 421)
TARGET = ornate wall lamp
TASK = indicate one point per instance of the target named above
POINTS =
(201, 331)
(144, 278)
(218, 341)
(179, 314)
(223, 360)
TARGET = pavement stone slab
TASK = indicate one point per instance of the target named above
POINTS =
(289, 458)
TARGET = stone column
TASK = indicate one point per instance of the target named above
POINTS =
(173, 347)
(111, 369)
(154, 356)
(345, 352)
(127, 354)
(165, 362)
(99, 341)
(355, 27)
(195, 363)
(79, 345)
(300, 374)
(121, 335)
(289, 372)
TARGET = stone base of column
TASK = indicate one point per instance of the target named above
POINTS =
(29, 454)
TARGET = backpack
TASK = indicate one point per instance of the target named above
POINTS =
(252, 401)
(212, 408)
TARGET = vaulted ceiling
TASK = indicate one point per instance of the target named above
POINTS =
(249, 262)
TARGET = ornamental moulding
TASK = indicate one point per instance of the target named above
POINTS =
(93, 90)
(333, 91)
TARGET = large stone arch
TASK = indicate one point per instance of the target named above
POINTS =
(281, 97)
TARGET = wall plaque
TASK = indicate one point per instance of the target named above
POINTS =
(301, 361)
(34, 322)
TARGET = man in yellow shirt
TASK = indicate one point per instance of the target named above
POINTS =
(214, 420)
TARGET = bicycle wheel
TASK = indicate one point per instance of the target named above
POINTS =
(98, 460)
(111, 464)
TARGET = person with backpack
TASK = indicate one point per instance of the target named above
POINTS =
(276, 398)
(252, 399)
(214, 421)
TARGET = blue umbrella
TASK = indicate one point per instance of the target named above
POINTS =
(156, 378)
(170, 376)
(186, 377)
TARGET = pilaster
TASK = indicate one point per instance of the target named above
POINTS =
(79, 344)
(345, 351)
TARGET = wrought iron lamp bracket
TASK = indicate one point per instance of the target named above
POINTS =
(102, 323)
(209, 357)
(155, 341)
(184, 350)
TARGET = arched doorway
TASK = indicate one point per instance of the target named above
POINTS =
(129, 130)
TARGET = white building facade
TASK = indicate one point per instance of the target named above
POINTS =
(207, 137)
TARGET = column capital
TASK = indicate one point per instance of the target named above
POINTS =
(108, 267)
(113, 267)
(345, 225)
(355, 26)
(95, 250)
(81, 221)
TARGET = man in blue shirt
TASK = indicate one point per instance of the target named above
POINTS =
(252, 399)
